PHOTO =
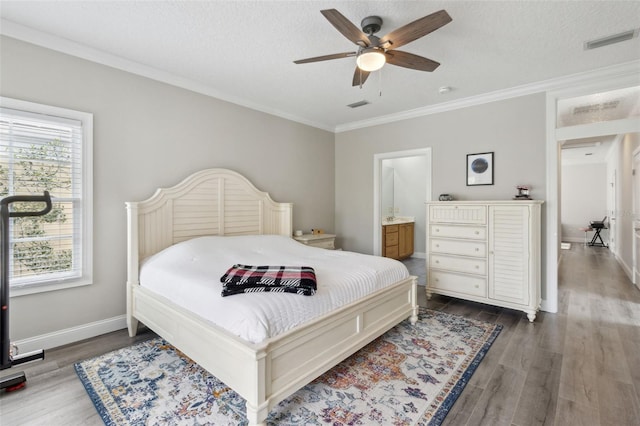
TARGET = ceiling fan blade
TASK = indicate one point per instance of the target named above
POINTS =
(346, 27)
(325, 57)
(415, 29)
(409, 60)
(359, 77)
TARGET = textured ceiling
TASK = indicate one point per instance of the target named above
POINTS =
(243, 51)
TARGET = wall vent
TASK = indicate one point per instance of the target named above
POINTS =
(594, 108)
(616, 38)
(359, 104)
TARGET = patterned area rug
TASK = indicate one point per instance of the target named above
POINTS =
(412, 375)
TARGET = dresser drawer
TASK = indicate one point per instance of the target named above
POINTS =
(464, 284)
(453, 231)
(471, 214)
(325, 241)
(329, 244)
(461, 248)
(459, 264)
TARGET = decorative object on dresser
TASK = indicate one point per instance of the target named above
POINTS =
(397, 238)
(480, 169)
(486, 251)
(523, 192)
(325, 241)
(445, 197)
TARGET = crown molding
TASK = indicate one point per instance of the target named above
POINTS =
(606, 73)
(59, 44)
(30, 35)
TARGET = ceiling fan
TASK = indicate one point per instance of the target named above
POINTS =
(373, 52)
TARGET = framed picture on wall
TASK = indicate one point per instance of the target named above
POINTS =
(480, 169)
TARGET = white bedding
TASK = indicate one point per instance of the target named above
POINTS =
(188, 274)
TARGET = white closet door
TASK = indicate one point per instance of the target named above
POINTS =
(509, 253)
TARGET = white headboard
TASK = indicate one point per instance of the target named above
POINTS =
(209, 202)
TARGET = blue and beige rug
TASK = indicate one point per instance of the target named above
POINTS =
(412, 375)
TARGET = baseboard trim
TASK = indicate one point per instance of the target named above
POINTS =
(419, 255)
(548, 307)
(71, 335)
(577, 240)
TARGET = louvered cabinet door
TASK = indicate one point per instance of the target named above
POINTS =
(509, 254)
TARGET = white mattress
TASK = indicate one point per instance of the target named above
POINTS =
(188, 274)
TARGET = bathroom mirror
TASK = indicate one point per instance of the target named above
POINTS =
(387, 190)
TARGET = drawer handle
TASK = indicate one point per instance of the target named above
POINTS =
(437, 245)
(477, 232)
(477, 286)
(477, 249)
(437, 229)
(437, 261)
(436, 280)
(477, 266)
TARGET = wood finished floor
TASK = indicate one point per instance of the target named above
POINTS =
(580, 366)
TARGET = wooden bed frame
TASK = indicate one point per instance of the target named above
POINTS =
(222, 202)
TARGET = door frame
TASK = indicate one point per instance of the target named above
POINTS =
(612, 203)
(377, 187)
(635, 222)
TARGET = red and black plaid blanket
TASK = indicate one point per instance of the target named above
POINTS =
(283, 279)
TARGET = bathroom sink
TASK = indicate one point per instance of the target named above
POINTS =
(397, 220)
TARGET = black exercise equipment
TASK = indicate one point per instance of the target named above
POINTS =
(598, 225)
(7, 360)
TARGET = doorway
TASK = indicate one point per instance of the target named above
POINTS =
(556, 133)
(586, 190)
(401, 186)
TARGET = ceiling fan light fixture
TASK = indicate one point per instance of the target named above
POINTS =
(371, 60)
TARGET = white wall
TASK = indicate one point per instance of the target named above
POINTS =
(583, 198)
(149, 134)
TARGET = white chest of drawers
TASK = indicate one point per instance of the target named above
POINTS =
(485, 251)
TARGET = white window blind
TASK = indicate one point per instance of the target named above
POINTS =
(41, 152)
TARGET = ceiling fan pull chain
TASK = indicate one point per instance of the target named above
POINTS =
(380, 83)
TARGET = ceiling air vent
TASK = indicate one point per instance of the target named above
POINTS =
(594, 108)
(616, 38)
(359, 104)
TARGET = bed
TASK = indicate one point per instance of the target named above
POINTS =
(222, 203)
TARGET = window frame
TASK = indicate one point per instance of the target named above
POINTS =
(86, 244)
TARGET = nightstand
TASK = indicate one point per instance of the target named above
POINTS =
(325, 241)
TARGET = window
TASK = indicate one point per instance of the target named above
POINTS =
(44, 148)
